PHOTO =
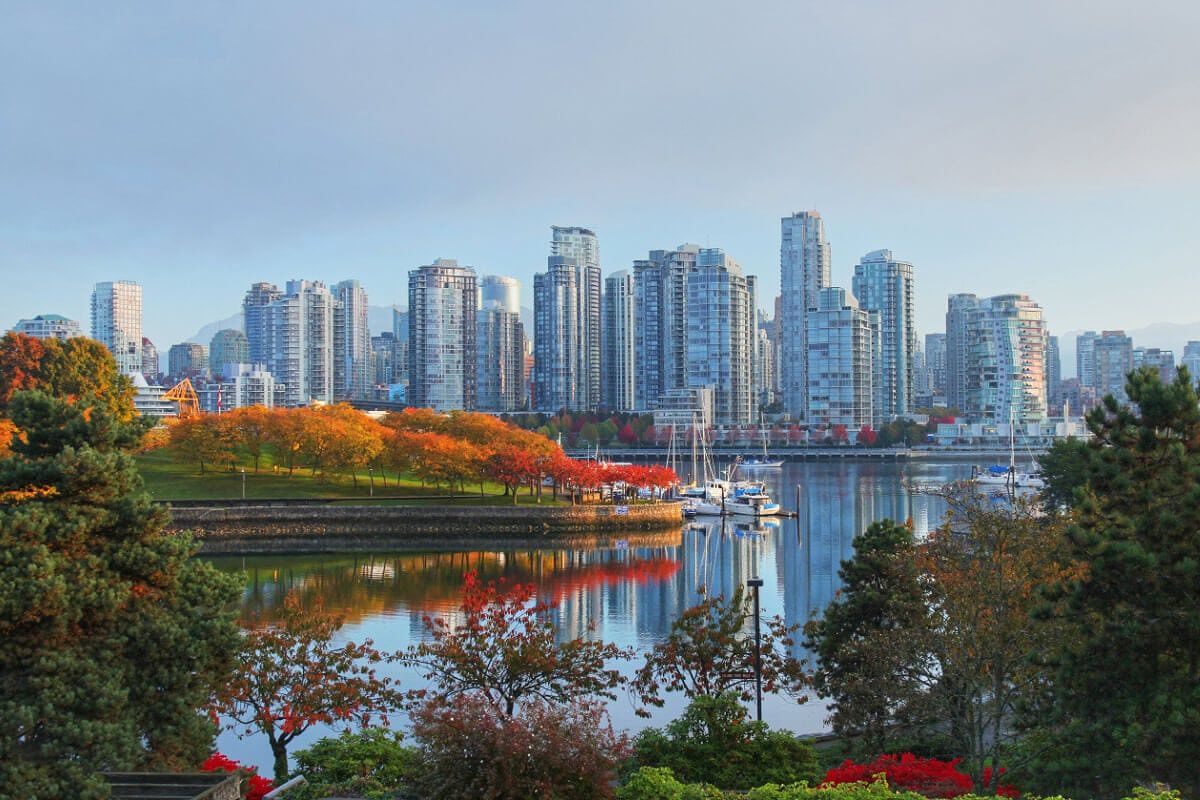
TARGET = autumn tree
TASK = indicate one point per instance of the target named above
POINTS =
(204, 440)
(290, 675)
(285, 434)
(78, 370)
(250, 427)
(864, 641)
(710, 651)
(112, 636)
(513, 467)
(504, 646)
(1124, 695)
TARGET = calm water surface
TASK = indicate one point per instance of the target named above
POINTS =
(629, 592)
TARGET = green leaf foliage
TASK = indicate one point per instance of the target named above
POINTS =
(864, 642)
(372, 764)
(112, 637)
(1123, 702)
(715, 742)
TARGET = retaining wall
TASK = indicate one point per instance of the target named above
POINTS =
(266, 528)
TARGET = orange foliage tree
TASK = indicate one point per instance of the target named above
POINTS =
(290, 676)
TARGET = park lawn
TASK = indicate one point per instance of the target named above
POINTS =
(167, 479)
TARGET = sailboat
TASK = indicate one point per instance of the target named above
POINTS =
(764, 462)
(1007, 477)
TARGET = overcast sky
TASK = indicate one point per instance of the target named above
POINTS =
(1046, 148)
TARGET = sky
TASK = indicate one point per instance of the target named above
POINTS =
(1048, 148)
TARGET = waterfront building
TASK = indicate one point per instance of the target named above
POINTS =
(149, 360)
(117, 322)
(661, 323)
(1113, 359)
(721, 339)
(148, 399)
(958, 307)
(1161, 360)
(500, 354)
(1076, 398)
(442, 300)
(48, 326)
(566, 308)
(256, 321)
(887, 286)
(502, 290)
(1191, 360)
(764, 366)
(1085, 359)
(804, 269)
(228, 349)
(844, 358)
(351, 342)
(383, 359)
(1004, 373)
(922, 396)
(187, 360)
(935, 363)
(1053, 376)
(618, 332)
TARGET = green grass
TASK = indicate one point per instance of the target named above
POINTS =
(168, 480)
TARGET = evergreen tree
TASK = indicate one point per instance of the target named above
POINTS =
(870, 636)
(112, 638)
(1124, 701)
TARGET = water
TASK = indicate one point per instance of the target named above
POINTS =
(629, 591)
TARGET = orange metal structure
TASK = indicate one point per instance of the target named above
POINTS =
(184, 394)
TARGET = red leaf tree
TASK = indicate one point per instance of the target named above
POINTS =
(930, 777)
(290, 676)
(504, 646)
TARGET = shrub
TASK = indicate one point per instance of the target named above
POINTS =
(659, 783)
(254, 786)
(371, 763)
(929, 777)
(471, 749)
(714, 742)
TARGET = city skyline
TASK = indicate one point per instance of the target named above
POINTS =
(1052, 155)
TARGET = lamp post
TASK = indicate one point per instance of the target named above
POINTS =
(371, 480)
(243, 483)
(755, 584)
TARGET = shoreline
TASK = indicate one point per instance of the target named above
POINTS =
(307, 527)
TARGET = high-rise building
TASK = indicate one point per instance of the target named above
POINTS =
(500, 289)
(1191, 360)
(885, 285)
(618, 332)
(442, 300)
(764, 363)
(228, 349)
(1053, 376)
(351, 342)
(383, 359)
(661, 323)
(1005, 352)
(187, 360)
(843, 361)
(1113, 357)
(804, 268)
(149, 360)
(500, 358)
(935, 363)
(117, 322)
(958, 307)
(721, 337)
(48, 326)
(256, 320)
(1161, 360)
(1085, 358)
(566, 339)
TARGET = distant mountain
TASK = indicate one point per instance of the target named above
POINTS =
(205, 334)
(1163, 335)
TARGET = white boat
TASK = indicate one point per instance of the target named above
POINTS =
(998, 476)
(750, 502)
(696, 507)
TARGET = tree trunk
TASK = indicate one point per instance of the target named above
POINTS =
(279, 750)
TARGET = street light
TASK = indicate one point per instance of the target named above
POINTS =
(756, 584)
(371, 478)
(243, 483)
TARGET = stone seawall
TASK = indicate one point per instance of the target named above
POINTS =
(254, 528)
